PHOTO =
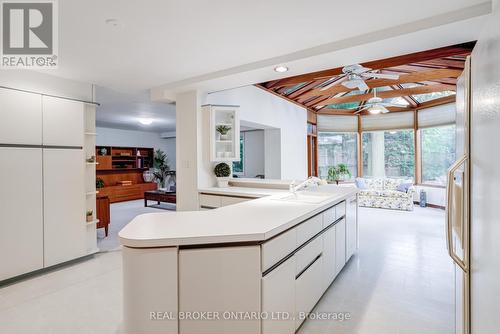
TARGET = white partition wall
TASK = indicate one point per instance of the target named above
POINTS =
(46, 181)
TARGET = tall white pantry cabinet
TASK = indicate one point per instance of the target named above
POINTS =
(46, 185)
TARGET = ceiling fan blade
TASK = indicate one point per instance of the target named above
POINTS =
(335, 82)
(381, 75)
(361, 70)
(362, 85)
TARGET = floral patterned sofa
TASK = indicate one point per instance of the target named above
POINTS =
(385, 193)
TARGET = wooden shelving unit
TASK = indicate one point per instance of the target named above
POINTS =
(116, 164)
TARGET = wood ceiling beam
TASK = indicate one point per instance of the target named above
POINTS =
(405, 78)
(328, 111)
(387, 94)
(437, 102)
(407, 98)
(306, 88)
(383, 63)
(446, 63)
(284, 97)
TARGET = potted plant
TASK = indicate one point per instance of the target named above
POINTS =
(90, 215)
(222, 172)
(99, 183)
(161, 168)
(338, 173)
(223, 131)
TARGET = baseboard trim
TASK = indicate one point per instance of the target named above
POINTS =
(31, 274)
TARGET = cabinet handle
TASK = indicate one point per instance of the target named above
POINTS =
(308, 266)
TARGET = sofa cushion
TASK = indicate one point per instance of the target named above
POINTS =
(403, 187)
(383, 193)
(392, 184)
(375, 183)
(360, 183)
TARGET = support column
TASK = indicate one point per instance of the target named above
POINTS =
(187, 149)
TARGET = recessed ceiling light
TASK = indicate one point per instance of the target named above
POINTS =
(145, 121)
(281, 69)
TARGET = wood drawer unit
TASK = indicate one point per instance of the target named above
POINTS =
(278, 248)
(339, 210)
(309, 229)
(308, 253)
(126, 193)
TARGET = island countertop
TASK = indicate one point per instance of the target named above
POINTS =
(251, 221)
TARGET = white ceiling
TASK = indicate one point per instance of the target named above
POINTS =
(123, 111)
(165, 41)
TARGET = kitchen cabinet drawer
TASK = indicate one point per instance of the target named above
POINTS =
(339, 210)
(308, 253)
(278, 248)
(278, 295)
(226, 200)
(340, 246)
(210, 201)
(309, 229)
(328, 217)
(329, 269)
(308, 290)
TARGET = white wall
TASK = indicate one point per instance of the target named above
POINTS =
(261, 107)
(46, 84)
(435, 195)
(118, 137)
(253, 153)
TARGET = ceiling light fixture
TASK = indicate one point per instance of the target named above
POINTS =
(281, 69)
(145, 121)
(375, 110)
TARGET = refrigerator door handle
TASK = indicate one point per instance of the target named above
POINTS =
(449, 234)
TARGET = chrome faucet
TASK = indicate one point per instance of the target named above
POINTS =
(312, 180)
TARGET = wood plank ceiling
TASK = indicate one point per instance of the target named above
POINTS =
(426, 79)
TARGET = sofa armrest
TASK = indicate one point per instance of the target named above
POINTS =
(411, 191)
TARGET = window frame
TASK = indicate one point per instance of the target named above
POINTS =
(242, 155)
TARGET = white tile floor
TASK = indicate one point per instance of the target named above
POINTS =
(401, 281)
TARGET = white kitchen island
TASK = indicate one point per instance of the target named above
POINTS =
(258, 266)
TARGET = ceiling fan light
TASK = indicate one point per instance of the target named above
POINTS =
(375, 110)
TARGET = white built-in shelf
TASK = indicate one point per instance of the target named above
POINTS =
(224, 141)
(90, 133)
(92, 163)
(95, 221)
(226, 124)
(90, 193)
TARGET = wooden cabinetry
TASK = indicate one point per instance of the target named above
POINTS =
(102, 212)
(118, 164)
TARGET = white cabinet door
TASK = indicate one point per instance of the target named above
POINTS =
(278, 295)
(64, 205)
(63, 122)
(308, 290)
(340, 245)
(329, 268)
(21, 121)
(21, 225)
(351, 227)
